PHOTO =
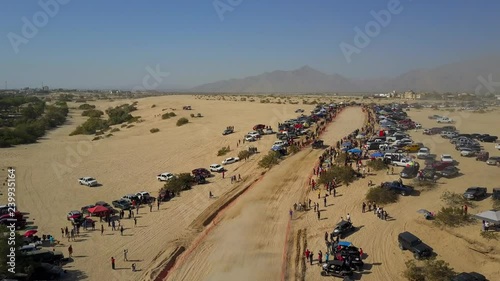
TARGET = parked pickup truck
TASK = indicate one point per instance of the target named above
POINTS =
(398, 187)
(475, 193)
(123, 204)
(408, 241)
(88, 181)
(402, 162)
(165, 176)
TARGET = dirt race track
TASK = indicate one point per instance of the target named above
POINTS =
(248, 242)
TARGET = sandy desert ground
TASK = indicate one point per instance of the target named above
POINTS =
(249, 238)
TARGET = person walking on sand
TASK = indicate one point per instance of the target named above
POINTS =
(102, 229)
(465, 209)
(70, 251)
(121, 230)
(135, 221)
(319, 215)
(320, 258)
(363, 207)
(311, 258)
(125, 252)
(291, 214)
(150, 207)
(307, 253)
(324, 201)
(210, 195)
(326, 236)
(113, 263)
(348, 217)
(62, 232)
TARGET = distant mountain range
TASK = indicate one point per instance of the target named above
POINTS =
(454, 77)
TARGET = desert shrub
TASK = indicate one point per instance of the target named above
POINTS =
(166, 115)
(223, 151)
(153, 106)
(96, 138)
(453, 199)
(92, 113)
(99, 133)
(120, 114)
(171, 114)
(243, 99)
(293, 149)
(91, 126)
(452, 216)
(496, 204)
(428, 270)
(130, 126)
(244, 154)
(182, 121)
(271, 159)
(344, 174)
(154, 130)
(340, 159)
(109, 135)
(136, 119)
(489, 235)
(183, 181)
(86, 106)
(381, 195)
(424, 184)
(199, 115)
(192, 115)
(123, 126)
(377, 165)
(115, 130)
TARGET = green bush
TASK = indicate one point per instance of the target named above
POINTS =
(271, 159)
(192, 115)
(92, 113)
(340, 159)
(181, 182)
(496, 204)
(109, 135)
(377, 164)
(423, 184)
(381, 195)
(489, 235)
(115, 130)
(182, 121)
(293, 149)
(455, 200)
(86, 106)
(90, 127)
(154, 130)
(130, 126)
(428, 270)
(120, 114)
(223, 151)
(344, 174)
(452, 216)
(244, 154)
(153, 106)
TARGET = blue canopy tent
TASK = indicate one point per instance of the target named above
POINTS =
(354, 150)
(377, 154)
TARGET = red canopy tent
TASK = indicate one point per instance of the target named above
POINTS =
(98, 210)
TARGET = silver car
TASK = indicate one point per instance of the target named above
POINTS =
(493, 160)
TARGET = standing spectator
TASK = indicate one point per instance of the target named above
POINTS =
(363, 207)
(112, 263)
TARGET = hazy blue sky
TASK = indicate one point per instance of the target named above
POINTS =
(93, 44)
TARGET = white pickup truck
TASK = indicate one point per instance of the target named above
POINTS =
(445, 120)
(165, 176)
(88, 181)
(403, 162)
(497, 146)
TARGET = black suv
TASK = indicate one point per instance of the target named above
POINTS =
(408, 241)
(343, 228)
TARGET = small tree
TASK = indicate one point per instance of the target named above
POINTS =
(271, 159)
(223, 151)
(424, 184)
(381, 195)
(293, 149)
(455, 200)
(244, 154)
(340, 159)
(154, 130)
(181, 182)
(452, 216)
(429, 270)
(377, 165)
(182, 121)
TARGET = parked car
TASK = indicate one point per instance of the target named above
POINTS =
(447, 158)
(412, 148)
(216, 168)
(496, 194)
(88, 181)
(475, 193)
(423, 153)
(488, 138)
(227, 132)
(471, 276)
(201, 172)
(408, 241)
(402, 162)
(467, 152)
(230, 160)
(398, 187)
(497, 146)
(494, 160)
(410, 171)
(483, 156)
(250, 138)
(74, 215)
(122, 204)
(342, 228)
(46, 256)
(18, 223)
(449, 172)
(165, 176)
(336, 268)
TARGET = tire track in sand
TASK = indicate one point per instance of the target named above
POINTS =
(247, 244)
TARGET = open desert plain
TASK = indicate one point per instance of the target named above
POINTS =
(245, 232)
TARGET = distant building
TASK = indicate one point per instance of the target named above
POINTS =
(45, 88)
(410, 95)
